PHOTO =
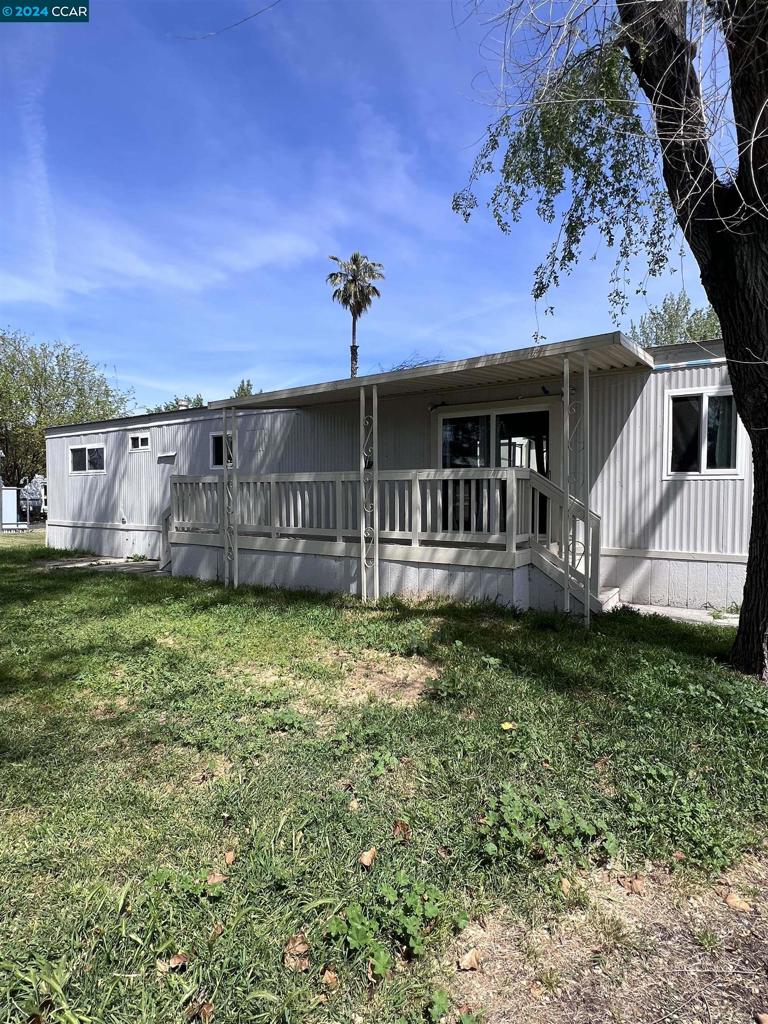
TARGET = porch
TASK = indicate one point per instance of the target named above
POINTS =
(507, 512)
(479, 524)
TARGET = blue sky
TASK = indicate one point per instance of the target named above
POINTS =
(169, 205)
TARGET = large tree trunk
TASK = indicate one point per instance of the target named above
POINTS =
(750, 652)
(725, 224)
(353, 349)
(735, 279)
(734, 274)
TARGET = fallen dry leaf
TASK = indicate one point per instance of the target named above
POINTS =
(161, 966)
(353, 805)
(229, 857)
(402, 830)
(761, 1018)
(632, 883)
(678, 855)
(330, 978)
(216, 878)
(470, 961)
(178, 961)
(507, 726)
(296, 953)
(200, 1008)
(565, 887)
(216, 932)
(735, 902)
(444, 852)
(537, 990)
(367, 857)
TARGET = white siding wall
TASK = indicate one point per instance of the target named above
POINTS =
(641, 510)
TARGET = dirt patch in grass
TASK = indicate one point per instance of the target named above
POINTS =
(387, 677)
(118, 705)
(672, 952)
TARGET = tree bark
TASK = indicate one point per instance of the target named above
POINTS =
(750, 652)
(736, 282)
(353, 349)
(726, 226)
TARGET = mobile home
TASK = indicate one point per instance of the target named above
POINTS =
(531, 477)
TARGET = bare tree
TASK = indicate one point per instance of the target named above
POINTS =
(636, 118)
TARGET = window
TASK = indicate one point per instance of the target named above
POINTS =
(217, 451)
(466, 441)
(721, 432)
(522, 439)
(686, 427)
(87, 459)
(702, 434)
(139, 442)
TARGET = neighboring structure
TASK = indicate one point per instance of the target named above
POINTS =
(513, 477)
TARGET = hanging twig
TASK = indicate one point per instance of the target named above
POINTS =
(236, 24)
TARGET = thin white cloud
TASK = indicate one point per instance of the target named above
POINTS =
(29, 67)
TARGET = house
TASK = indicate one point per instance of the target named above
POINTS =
(525, 477)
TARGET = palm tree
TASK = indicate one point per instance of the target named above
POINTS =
(353, 288)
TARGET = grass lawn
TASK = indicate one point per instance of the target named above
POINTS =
(189, 776)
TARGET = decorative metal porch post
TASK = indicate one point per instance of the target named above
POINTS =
(566, 474)
(585, 496)
(231, 567)
(369, 492)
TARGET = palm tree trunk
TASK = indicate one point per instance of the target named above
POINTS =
(353, 349)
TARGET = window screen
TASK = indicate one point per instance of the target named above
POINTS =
(95, 459)
(466, 441)
(721, 432)
(686, 439)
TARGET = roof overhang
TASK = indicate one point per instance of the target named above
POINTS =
(539, 362)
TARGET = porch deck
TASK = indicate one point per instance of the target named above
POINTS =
(487, 518)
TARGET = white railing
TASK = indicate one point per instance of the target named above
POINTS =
(197, 502)
(496, 509)
(550, 527)
(453, 506)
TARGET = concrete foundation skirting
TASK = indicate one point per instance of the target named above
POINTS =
(523, 587)
(674, 582)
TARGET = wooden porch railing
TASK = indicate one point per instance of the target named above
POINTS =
(495, 509)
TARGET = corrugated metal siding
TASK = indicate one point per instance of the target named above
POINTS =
(640, 509)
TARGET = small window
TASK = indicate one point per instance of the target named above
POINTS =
(88, 459)
(466, 441)
(217, 451)
(721, 432)
(686, 427)
(139, 442)
(703, 434)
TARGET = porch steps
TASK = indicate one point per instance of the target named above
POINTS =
(550, 564)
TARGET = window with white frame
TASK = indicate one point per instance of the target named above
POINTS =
(138, 443)
(496, 438)
(702, 433)
(217, 451)
(87, 459)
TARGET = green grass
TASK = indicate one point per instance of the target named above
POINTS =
(151, 724)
